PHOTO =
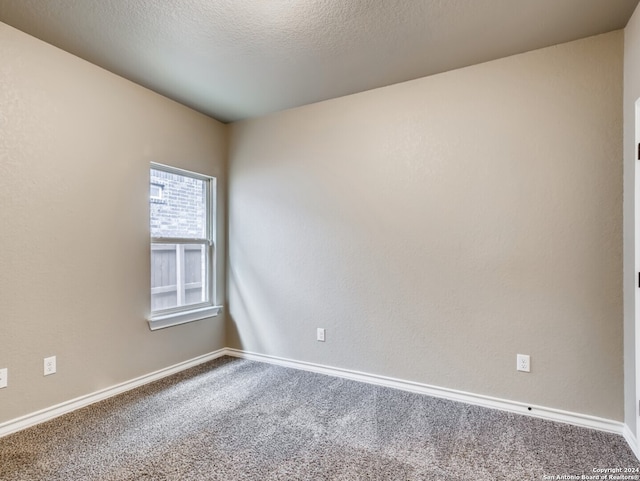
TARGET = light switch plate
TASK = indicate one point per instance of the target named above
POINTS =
(320, 334)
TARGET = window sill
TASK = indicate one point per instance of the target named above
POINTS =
(177, 318)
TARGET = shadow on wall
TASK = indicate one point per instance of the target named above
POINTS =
(247, 327)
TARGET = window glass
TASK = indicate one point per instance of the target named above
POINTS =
(182, 212)
(178, 275)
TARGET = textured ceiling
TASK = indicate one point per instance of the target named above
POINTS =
(234, 59)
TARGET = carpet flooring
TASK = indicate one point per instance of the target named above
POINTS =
(233, 419)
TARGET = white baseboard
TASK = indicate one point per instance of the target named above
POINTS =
(49, 413)
(632, 441)
(582, 420)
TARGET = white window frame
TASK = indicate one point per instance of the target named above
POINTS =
(193, 312)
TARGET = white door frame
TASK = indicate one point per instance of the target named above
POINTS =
(636, 256)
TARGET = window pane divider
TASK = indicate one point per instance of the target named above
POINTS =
(179, 240)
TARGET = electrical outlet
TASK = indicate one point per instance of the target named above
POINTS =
(320, 334)
(4, 372)
(49, 365)
(523, 363)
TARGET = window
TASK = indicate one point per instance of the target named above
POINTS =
(155, 192)
(182, 224)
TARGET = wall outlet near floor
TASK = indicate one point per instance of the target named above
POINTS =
(49, 365)
(4, 372)
(523, 363)
(320, 334)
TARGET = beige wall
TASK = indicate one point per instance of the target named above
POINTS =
(631, 257)
(75, 147)
(436, 228)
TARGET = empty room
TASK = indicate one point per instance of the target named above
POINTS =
(319, 240)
